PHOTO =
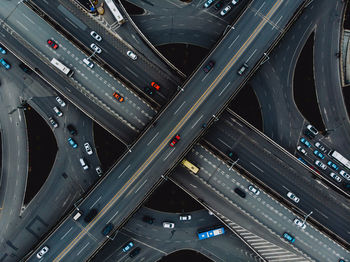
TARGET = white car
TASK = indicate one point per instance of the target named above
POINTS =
(301, 150)
(57, 111)
(168, 225)
(299, 223)
(254, 190)
(321, 147)
(60, 101)
(225, 10)
(335, 177)
(96, 36)
(185, 217)
(320, 164)
(132, 55)
(344, 174)
(88, 148)
(96, 48)
(234, 2)
(293, 197)
(312, 129)
(88, 63)
(42, 252)
(99, 170)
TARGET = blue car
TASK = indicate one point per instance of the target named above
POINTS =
(4, 63)
(319, 154)
(332, 165)
(128, 246)
(305, 142)
(288, 237)
(72, 143)
(2, 50)
(302, 160)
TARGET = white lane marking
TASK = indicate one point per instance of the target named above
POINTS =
(275, 24)
(127, 68)
(224, 88)
(233, 42)
(81, 250)
(152, 139)
(113, 216)
(193, 186)
(257, 167)
(29, 19)
(124, 171)
(257, 11)
(205, 76)
(251, 55)
(140, 186)
(179, 107)
(224, 143)
(96, 202)
(169, 154)
(66, 233)
(196, 121)
(22, 25)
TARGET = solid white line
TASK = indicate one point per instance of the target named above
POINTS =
(113, 217)
(224, 88)
(124, 171)
(96, 202)
(83, 248)
(224, 143)
(197, 121)
(259, 8)
(169, 154)
(140, 186)
(256, 167)
(233, 42)
(153, 139)
(66, 233)
(179, 107)
(251, 55)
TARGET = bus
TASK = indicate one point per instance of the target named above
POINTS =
(191, 167)
(115, 11)
(65, 70)
(211, 233)
(337, 156)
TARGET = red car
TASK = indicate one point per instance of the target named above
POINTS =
(174, 140)
(52, 44)
(118, 97)
(155, 85)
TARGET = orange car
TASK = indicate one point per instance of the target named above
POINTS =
(118, 97)
(155, 85)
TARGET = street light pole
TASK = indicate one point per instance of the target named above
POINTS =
(307, 217)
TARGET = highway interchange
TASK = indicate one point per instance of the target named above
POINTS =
(188, 107)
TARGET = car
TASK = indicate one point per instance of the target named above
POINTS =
(149, 90)
(72, 142)
(299, 223)
(254, 190)
(52, 44)
(312, 129)
(72, 129)
(42, 252)
(309, 134)
(301, 150)
(88, 63)
(332, 165)
(218, 5)
(91, 215)
(2, 50)
(25, 68)
(344, 174)
(96, 36)
(302, 160)
(174, 140)
(208, 66)
(185, 217)
(96, 48)
(135, 252)
(234, 2)
(132, 55)
(208, 3)
(148, 219)
(5, 64)
(288, 237)
(53, 122)
(225, 10)
(57, 111)
(319, 154)
(320, 164)
(293, 197)
(242, 69)
(305, 142)
(88, 148)
(60, 101)
(155, 85)
(98, 170)
(168, 225)
(240, 192)
(118, 97)
(335, 177)
(321, 147)
(107, 229)
(128, 246)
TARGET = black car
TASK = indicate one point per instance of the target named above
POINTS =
(219, 5)
(72, 130)
(135, 252)
(148, 219)
(208, 66)
(149, 90)
(91, 215)
(240, 192)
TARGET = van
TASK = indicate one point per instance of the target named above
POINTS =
(77, 215)
(88, 63)
(240, 192)
(242, 69)
(83, 164)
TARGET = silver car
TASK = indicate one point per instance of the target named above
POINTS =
(225, 10)
(335, 177)
(96, 48)
(299, 223)
(293, 197)
(60, 101)
(96, 36)
(320, 164)
(344, 174)
(42, 252)
(132, 55)
(88, 148)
